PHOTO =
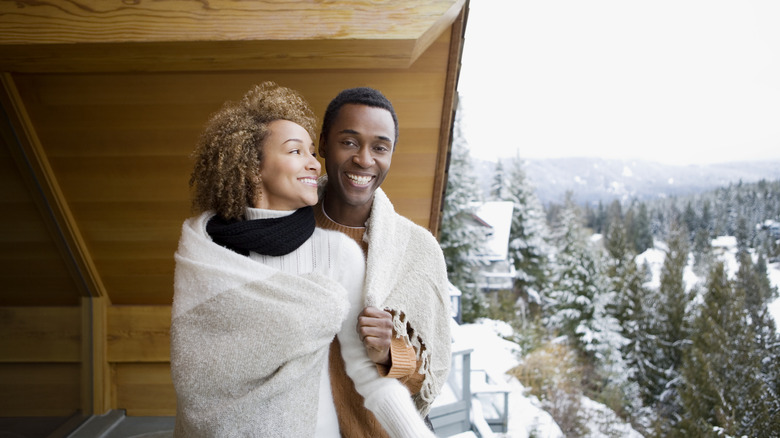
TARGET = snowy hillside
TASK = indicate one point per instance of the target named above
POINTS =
(495, 355)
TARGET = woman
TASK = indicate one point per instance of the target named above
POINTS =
(260, 293)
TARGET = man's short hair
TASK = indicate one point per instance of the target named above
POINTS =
(357, 96)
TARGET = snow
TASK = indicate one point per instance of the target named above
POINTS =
(497, 214)
(774, 278)
(654, 258)
(495, 355)
(604, 423)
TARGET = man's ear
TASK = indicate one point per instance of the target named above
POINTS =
(323, 148)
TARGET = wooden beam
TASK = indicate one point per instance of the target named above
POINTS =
(19, 132)
(449, 106)
(168, 35)
(96, 373)
(206, 56)
(90, 21)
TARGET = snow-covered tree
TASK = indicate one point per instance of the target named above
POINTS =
(498, 185)
(580, 300)
(528, 234)
(630, 310)
(460, 240)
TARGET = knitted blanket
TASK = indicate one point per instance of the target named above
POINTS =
(406, 272)
(247, 341)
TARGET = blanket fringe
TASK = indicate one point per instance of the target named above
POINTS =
(404, 330)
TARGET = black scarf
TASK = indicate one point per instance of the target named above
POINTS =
(273, 237)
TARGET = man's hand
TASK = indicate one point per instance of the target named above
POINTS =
(375, 328)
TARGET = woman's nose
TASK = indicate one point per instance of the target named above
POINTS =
(314, 164)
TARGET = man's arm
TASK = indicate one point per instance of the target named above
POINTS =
(393, 357)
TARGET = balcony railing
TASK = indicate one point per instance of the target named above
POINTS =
(451, 414)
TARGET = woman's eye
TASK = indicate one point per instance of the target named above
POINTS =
(295, 151)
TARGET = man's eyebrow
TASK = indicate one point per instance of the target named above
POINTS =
(353, 132)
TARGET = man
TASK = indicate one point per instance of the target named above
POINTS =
(405, 326)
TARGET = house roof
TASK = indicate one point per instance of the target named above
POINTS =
(498, 215)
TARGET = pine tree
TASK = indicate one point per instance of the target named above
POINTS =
(528, 234)
(615, 234)
(640, 232)
(580, 301)
(752, 283)
(723, 385)
(671, 329)
(742, 234)
(498, 186)
(626, 282)
(690, 219)
(460, 240)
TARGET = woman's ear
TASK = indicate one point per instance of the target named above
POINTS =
(257, 180)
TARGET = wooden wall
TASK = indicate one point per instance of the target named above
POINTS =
(93, 185)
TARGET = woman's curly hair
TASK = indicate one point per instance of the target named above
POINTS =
(229, 153)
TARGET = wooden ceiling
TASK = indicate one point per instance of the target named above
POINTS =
(103, 102)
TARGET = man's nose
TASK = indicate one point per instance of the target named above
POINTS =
(363, 157)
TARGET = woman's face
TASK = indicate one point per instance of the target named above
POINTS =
(289, 170)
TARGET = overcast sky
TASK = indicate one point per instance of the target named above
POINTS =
(673, 81)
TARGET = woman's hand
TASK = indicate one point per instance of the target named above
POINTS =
(375, 328)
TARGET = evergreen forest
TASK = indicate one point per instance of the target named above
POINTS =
(688, 351)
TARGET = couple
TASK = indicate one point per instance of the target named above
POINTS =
(264, 281)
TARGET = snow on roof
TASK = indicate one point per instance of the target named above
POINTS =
(497, 214)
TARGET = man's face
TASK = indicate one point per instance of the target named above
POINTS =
(357, 152)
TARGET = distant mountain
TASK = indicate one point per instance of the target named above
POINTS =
(594, 179)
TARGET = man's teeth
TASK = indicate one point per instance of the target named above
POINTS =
(360, 180)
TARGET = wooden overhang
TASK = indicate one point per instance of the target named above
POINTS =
(102, 103)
